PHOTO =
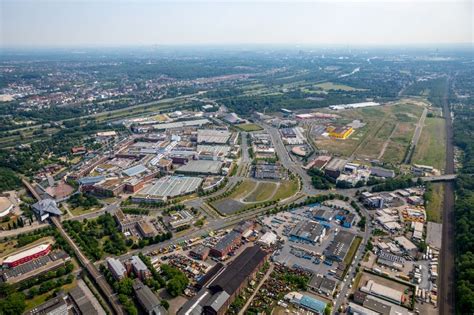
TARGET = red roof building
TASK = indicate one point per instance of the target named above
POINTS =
(27, 255)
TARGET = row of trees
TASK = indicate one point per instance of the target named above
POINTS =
(464, 210)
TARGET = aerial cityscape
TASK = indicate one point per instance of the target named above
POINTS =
(230, 176)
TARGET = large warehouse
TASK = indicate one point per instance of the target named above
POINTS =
(27, 255)
(170, 186)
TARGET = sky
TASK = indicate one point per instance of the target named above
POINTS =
(64, 23)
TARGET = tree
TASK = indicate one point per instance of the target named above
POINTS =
(165, 304)
(13, 304)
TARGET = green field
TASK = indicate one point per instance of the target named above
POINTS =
(249, 127)
(434, 205)
(329, 86)
(386, 135)
(431, 148)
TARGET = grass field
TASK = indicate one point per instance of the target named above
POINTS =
(262, 192)
(391, 127)
(434, 206)
(249, 127)
(328, 86)
(249, 193)
(40, 299)
(431, 148)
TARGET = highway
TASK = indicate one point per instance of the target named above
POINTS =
(446, 298)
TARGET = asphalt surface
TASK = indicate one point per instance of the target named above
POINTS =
(447, 277)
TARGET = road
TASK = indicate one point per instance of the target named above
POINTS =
(446, 298)
(359, 254)
(249, 301)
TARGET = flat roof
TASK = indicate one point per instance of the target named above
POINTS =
(180, 124)
(201, 167)
(135, 170)
(171, 186)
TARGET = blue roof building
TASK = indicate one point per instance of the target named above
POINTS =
(312, 304)
(91, 180)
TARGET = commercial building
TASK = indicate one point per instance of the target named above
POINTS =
(340, 246)
(26, 255)
(5, 206)
(135, 170)
(308, 231)
(340, 132)
(265, 170)
(405, 243)
(217, 296)
(139, 268)
(323, 214)
(334, 167)
(213, 136)
(180, 219)
(383, 292)
(181, 124)
(116, 268)
(201, 167)
(168, 186)
(225, 244)
(35, 267)
(390, 260)
(147, 299)
(354, 105)
(43, 209)
(126, 222)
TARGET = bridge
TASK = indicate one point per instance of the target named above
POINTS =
(439, 178)
(98, 278)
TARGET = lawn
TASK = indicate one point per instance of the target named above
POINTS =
(431, 148)
(262, 192)
(249, 127)
(40, 299)
(243, 189)
(287, 189)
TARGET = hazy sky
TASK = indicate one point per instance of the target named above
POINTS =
(145, 22)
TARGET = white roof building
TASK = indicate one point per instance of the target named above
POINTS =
(268, 239)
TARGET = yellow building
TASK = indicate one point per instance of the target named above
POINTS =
(339, 132)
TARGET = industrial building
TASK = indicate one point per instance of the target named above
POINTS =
(383, 292)
(225, 244)
(200, 252)
(26, 255)
(382, 172)
(340, 246)
(147, 299)
(322, 285)
(267, 239)
(308, 231)
(181, 124)
(179, 219)
(222, 290)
